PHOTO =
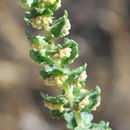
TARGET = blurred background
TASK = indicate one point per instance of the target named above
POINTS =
(102, 28)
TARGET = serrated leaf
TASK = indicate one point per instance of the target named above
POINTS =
(37, 40)
(94, 99)
(74, 51)
(95, 126)
(46, 6)
(73, 76)
(56, 114)
(58, 26)
(71, 122)
(45, 73)
(32, 13)
(55, 100)
(86, 117)
(78, 99)
(51, 8)
(38, 10)
(40, 58)
(102, 125)
(26, 3)
(68, 43)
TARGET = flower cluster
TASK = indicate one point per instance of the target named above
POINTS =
(75, 103)
(66, 52)
(55, 81)
(40, 21)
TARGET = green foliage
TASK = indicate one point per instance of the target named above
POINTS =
(70, 119)
(58, 27)
(27, 3)
(101, 125)
(40, 57)
(87, 118)
(38, 41)
(56, 100)
(74, 51)
(76, 103)
(95, 126)
(56, 114)
(74, 75)
(45, 73)
(94, 99)
(92, 102)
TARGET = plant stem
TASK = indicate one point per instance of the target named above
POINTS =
(78, 119)
(77, 115)
(69, 96)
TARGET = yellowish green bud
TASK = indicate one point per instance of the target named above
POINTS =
(66, 52)
(53, 106)
(81, 78)
(34, 46)
(40, 22)
(67, 27)
(48, 1)
(83, 103)
(57, 81)
(43, 3)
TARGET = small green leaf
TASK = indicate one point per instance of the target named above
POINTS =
(40, 58)
(78, 99)
(73, 76)
(71, 122)
(76, 91)
(32, 14)
(37, 40)
(74, 51)
(50, 9)
(94, 99)
(58, 26)
(46, 8)
(56, 114)
(26, 3)
(81, 128)
(100, 126)
(37, 10)
(87, 118)
(95, 126)
(45, 73)
(60, 100)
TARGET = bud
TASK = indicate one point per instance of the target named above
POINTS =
(83, 103)
(40, 21)
(26, 4)
(67, 27)
(57, 81)
(53, 106)
(50, 2)
(83, 91)
(37, 47)
(61, 27)
(66, 52)
(81, 78)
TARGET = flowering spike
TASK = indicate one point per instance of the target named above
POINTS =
(76, 103)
